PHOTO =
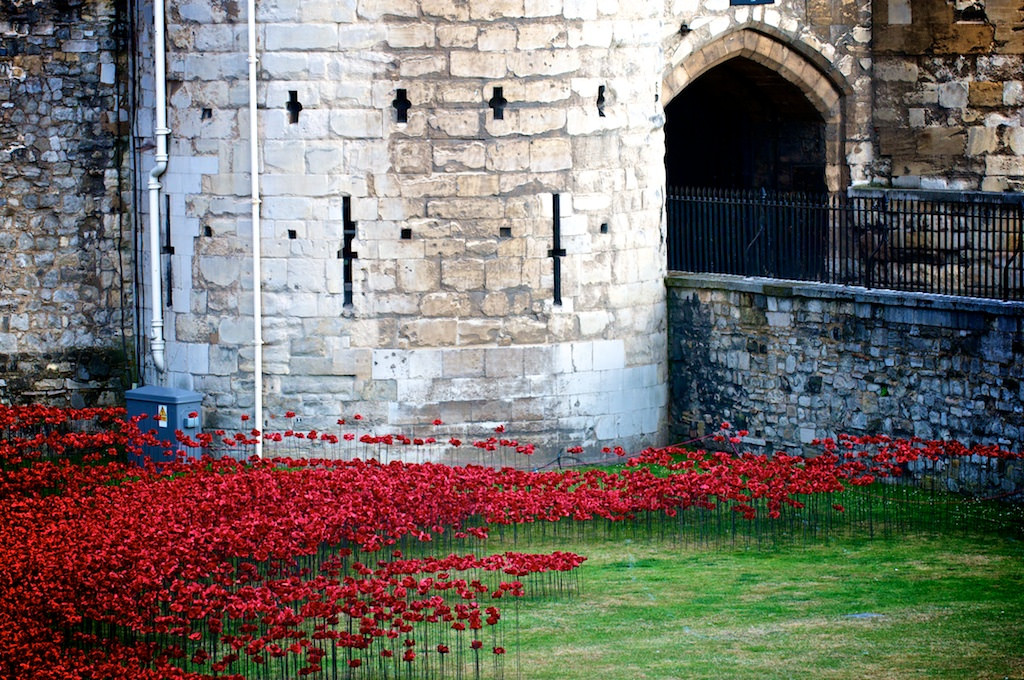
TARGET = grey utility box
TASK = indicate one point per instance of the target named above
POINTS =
(167, 409)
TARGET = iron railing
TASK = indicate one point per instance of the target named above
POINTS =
(971, 245)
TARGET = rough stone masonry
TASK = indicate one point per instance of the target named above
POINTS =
(66, 261)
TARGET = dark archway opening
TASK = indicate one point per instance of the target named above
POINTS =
(743, 126)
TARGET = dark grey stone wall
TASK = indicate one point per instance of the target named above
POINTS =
(65, 235)
(794, 361)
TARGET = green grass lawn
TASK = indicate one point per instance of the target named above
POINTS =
(915, 606)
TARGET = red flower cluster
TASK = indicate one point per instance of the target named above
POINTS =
(215, 567)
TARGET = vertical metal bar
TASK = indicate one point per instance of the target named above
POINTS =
(706, 220)
(945, 238)
(985, 250)
(1016, 252)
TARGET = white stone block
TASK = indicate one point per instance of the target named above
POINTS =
(593, 323)
(1013, 93)
(495, 9)
(337, 11)
(561, 358)
(582, 356)
(312, 124)
(542, 8)
(312, 157)
(415, 391)
(547, 155)
(544, 62)
(301, 37)
(390, 364)
(471, 64)
(377, 9)
(606, 427)
(357, 123)
(463, 124)
(502, 362)
(306, 275)
(592, 34)
(410, 35)
(462, 363)
(415, 66)
(356, 37)
(953, 95)
(235, 331)
(497, 38)
(294, 185)
(608, 355)
(425, 363)
(197, 358)
(285, 208)
(455, 35)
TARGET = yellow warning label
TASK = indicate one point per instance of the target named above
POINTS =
(161, 416)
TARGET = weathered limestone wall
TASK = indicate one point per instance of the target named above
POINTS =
(65, 239)
(452, 310)
(950, 93)
(794, 361)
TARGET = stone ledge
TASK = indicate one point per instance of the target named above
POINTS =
(839, 293)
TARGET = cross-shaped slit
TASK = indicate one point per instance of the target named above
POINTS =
(293, 106)
(498, 103)
(402, 105)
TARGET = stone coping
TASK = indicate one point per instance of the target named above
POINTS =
(939, 195)
(840, 293)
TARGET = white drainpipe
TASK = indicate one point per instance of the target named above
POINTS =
(161, 130)
(257, 283)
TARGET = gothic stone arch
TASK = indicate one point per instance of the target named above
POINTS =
(824, 87)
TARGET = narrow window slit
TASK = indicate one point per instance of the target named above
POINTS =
(600, 100)
(293, 106)
(498, 103)
(557, 252)
(168, 250)
(346, 254)
(402, 105)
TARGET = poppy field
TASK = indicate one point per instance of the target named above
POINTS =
(379, 563)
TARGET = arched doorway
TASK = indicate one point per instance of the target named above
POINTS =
(757, 77)
(750, 115)
(740, 125)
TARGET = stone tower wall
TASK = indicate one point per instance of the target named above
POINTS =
(950, 93)
(453, 311)
(65, 234)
